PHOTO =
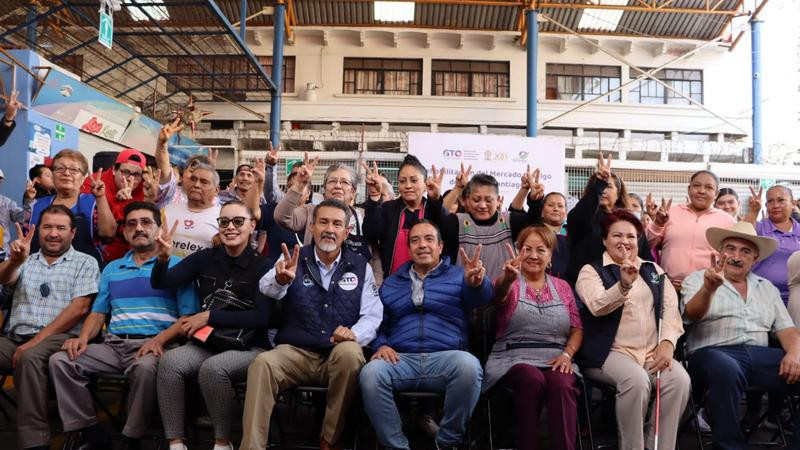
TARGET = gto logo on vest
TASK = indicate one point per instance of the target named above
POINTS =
(348, 282)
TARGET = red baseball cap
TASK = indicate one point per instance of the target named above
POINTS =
(131, 156)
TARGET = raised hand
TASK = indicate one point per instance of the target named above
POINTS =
(213, 156)
(463, 177)
(473, 267)
(628, 272)
(126, 192)
(662, 213)
(434, 183)
(272, 153)
(167, 131)
(306, 170)
(650, 207)
(537, 188)
(30, 191)
(373, 180)
(12, 106)
(525, 181)
(714, 276)
(603, 167)
(98, 187)
(164, 241)
(150, 183)
(512, 266)
(286, 268)
(20, 249)
(755, 200)
(260, 171)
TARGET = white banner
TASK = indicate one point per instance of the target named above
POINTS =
(504, 157)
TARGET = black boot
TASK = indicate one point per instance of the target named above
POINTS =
(93, 438)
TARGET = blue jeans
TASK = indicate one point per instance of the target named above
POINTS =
(726, 372)
(456, 373)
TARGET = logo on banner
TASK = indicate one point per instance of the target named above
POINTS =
(489, 155)
(522, 156)
(348, 282)
(452, 154)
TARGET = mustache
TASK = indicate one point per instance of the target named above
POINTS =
(328, 236)
(139, 233)
(735, 262)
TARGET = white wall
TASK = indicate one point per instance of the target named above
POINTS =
(726, 81)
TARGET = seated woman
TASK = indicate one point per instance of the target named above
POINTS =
(230, 331)
(631, 322)
(538, 333)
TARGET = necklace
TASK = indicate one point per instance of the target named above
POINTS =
(538, 293)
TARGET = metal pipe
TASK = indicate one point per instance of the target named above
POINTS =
(32, 22)
(243, 22)
(533, 54)
(755, 50)
(277, 74)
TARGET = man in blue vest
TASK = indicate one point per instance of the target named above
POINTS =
(422, 342)
(330, 309)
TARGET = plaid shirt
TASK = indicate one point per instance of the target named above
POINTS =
(73, 274)
(9, 214)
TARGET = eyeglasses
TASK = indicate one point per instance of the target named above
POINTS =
(133, 223)
(44, 289)
(127, 173)
(343, 181)
(238, 221)
(64, 169)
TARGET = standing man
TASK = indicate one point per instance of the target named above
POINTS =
(54, 288)
(331, 309)
(731, 311)
(422, 342)
(197, 218)
(143, 323)
(9, 213)
(41, 180)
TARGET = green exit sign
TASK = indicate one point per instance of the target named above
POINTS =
(106, 30)
(61, 132)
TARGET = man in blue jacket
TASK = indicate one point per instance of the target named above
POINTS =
(422, 340)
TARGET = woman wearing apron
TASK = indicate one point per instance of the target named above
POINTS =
(387, 223)
(69, 171)
(538, 332)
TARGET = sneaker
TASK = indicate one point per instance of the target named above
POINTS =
(427, 425)
(702, 421)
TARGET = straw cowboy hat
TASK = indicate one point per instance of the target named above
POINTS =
(742, 230)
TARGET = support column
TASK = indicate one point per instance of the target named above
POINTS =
(533, 57)
(277, 74)
(243, 23)
(755, 48)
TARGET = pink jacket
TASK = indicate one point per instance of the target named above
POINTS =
(684, 248)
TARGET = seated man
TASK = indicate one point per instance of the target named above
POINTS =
(730, 312)
(143, 321)
(330, 310)
(54, 289)
(421, 342)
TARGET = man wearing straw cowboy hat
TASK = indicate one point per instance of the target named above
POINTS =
(730, 312)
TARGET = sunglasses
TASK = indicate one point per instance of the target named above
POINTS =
(238, 221)
(44, 289)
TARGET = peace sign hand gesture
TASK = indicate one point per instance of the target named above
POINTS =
(98, 187)
(662, 213)
(755, 200)
(272, 153)
(537, 188)
(164, 241)
(126, 192)
(434, 183)
(21, 248)
(650, 207)
(167, 131)
(286, 268)
(473, 267)
(603, 167)
(306, 170)
(30, 191)
(512, 266)
(525, 181)
(628, 272)
(12, 106)
(714, 276)
(373, 180)
(150, 184)
(463, 177)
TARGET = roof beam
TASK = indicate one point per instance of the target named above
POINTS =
(639, 8)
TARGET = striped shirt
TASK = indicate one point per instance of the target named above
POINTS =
(732, 320)
(135, 307)
(44, 290)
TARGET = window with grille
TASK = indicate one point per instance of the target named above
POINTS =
(288, 71)
(378, 76)
(470, 78)
(582, 82)
(648, 91)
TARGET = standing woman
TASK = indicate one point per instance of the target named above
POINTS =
(386, 223)
(232, 306)
(538, 332)
(728, 201)
(604, 193)
(631, 323)
(93, 216)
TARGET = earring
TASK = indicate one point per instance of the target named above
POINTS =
(550, 264)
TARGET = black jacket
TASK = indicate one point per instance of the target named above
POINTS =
(5, 130)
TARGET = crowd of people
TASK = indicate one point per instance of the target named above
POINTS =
(159, 275)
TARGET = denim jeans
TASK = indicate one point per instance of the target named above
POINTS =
(726, 372)
(456, 373)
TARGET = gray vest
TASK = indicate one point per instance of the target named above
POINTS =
(493, 237)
